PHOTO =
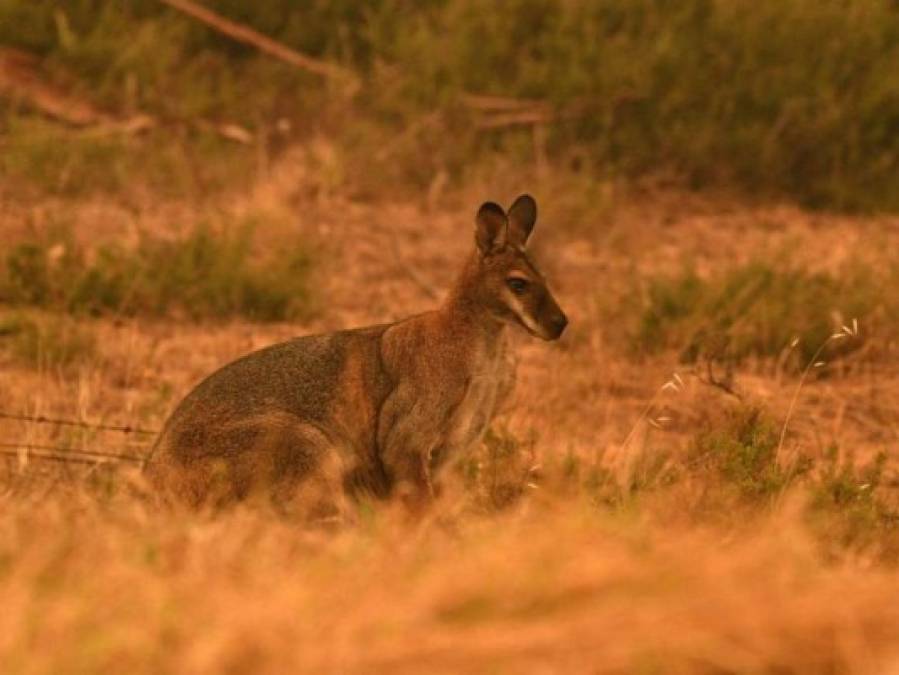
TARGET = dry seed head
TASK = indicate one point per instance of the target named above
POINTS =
(675, 384)
(850, 331)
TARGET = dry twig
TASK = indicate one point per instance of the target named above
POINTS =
(726, 384)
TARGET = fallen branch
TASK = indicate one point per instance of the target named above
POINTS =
(19, 81)
(494, 112)
(501, 112)
(262, 42)
(495, 104)
(132, 125)
(521, 118)
(233, 132)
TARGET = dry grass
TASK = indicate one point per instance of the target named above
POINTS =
(93, 578)
(553, 588)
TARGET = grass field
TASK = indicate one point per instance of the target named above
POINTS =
(580, 538)
(702, 476)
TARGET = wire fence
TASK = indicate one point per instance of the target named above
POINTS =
(37, 450)
(40, 419)
(54, 453)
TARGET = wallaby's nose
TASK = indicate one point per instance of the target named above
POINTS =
(558, 323)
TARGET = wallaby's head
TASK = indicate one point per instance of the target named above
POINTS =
(507, 282)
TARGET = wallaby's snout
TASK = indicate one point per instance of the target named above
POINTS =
(549, 321)
(557, 324)
(516, 289)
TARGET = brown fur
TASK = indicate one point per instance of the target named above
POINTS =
(373, 410)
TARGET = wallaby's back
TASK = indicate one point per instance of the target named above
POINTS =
(269, 417)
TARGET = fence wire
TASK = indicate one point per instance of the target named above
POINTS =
(55, 453)
(14, 449)
(40, 419)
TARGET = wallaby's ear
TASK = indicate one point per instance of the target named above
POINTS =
(522, 216)
(492, 225)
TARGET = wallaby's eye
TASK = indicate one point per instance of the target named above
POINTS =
(517, 284)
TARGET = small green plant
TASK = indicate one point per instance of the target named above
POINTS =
(202, 275)
(500, 471)
(847, 507)
(741, 454)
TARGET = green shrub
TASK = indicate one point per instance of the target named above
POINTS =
(733, 470)
(774, 97)
(51, 157)
(741, 454)
(847, 507)
(201, 276)
(758, 309)
(779, 96)
(139, 56)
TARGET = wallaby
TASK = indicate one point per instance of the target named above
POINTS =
(375, 410)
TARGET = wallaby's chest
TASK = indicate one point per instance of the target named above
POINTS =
(444, 391)
(475, 403)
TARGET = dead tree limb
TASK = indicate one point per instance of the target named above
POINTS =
(261, 42)
(495, 104)
(19, 80)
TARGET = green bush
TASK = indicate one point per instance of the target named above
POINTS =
(847, 503)
(741, 453)
(791, 98)
(139, 56)
(51, 157)
(201, 276)
(847, 507)
(758, 309)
